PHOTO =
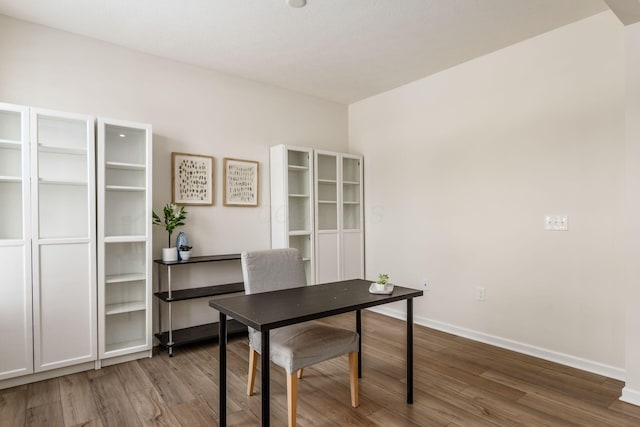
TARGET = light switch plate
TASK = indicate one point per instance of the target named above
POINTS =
(556, 222)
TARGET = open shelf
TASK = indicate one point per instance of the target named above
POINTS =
(123, 188)
(10, 179)
(200, 292)
(61, 182)
(56, 149)
(208, 331)
(125, 344)
(125, 166)
(125, 307)
(197, 259)
(10, 143)
(121, 278)
(299, 233)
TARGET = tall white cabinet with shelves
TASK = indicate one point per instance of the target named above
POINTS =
(339, 217)
(63, 239)
(124, 238)
(16, 358)
(327, 216)
(316, 207)
(291, 172)
(351, 217)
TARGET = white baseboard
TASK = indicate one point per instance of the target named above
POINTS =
(550, 355)
(46, 375)
(630, 396)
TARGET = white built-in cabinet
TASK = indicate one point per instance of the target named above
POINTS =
(16, 326)
(291, 173)
(47, 240)
(338, 217)
(316, 207)
(124, 237)
(54, 312)
(63, 224)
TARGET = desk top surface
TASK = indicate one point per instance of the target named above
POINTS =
(271, 310)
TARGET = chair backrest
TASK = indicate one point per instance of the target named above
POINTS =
(272, 270)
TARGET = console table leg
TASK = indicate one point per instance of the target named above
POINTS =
(222, 339)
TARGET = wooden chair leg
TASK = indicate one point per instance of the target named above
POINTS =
(292, 398)
(353, 378)
(300, 373)
(251, 376)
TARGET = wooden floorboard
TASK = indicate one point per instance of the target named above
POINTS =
(458, 382)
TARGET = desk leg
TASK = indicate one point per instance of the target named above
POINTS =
(264, 367)
(222, 339)
(410, 350)
(359, 331)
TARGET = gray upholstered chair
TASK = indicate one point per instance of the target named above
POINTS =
(297, 346)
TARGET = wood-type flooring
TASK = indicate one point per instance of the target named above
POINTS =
(458, 382)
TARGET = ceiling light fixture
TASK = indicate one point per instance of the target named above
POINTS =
(297, 3)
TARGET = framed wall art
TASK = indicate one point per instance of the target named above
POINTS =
(240, 182)
(191, 179)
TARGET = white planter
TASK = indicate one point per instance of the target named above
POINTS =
(169, 254)
(185, 255)
(378, 287)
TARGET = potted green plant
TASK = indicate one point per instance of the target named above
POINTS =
(174, 216)
(185, 252)
(381, 283)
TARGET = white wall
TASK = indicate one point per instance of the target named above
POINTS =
(631, 392)
(192, 110)
(461, 168)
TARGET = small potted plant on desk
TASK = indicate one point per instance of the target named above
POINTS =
(185, 252)
(381, 283)
(174, 217)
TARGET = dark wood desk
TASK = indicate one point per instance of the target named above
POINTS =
(271, 310)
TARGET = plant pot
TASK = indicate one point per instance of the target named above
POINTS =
(185, 255)
(378, 287)
(169, 254)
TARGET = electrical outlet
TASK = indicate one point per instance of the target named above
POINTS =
(556, 222)
(480, 294)
(426, 285)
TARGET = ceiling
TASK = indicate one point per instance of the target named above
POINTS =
(341, 50)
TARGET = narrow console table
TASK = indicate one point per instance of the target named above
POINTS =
(170, 338)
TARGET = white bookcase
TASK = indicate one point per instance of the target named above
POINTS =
(124, 238)
(339, 217)
(327, 227)
(16, 327)
(316, 207)
(292, 195)
(63, 238)
(351, 217)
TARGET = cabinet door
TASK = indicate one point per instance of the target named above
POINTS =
(16, 356)
(327, 226)
(64, 239)
(352, 217)
(353, 256)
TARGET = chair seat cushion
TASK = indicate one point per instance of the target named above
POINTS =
(298, 346)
